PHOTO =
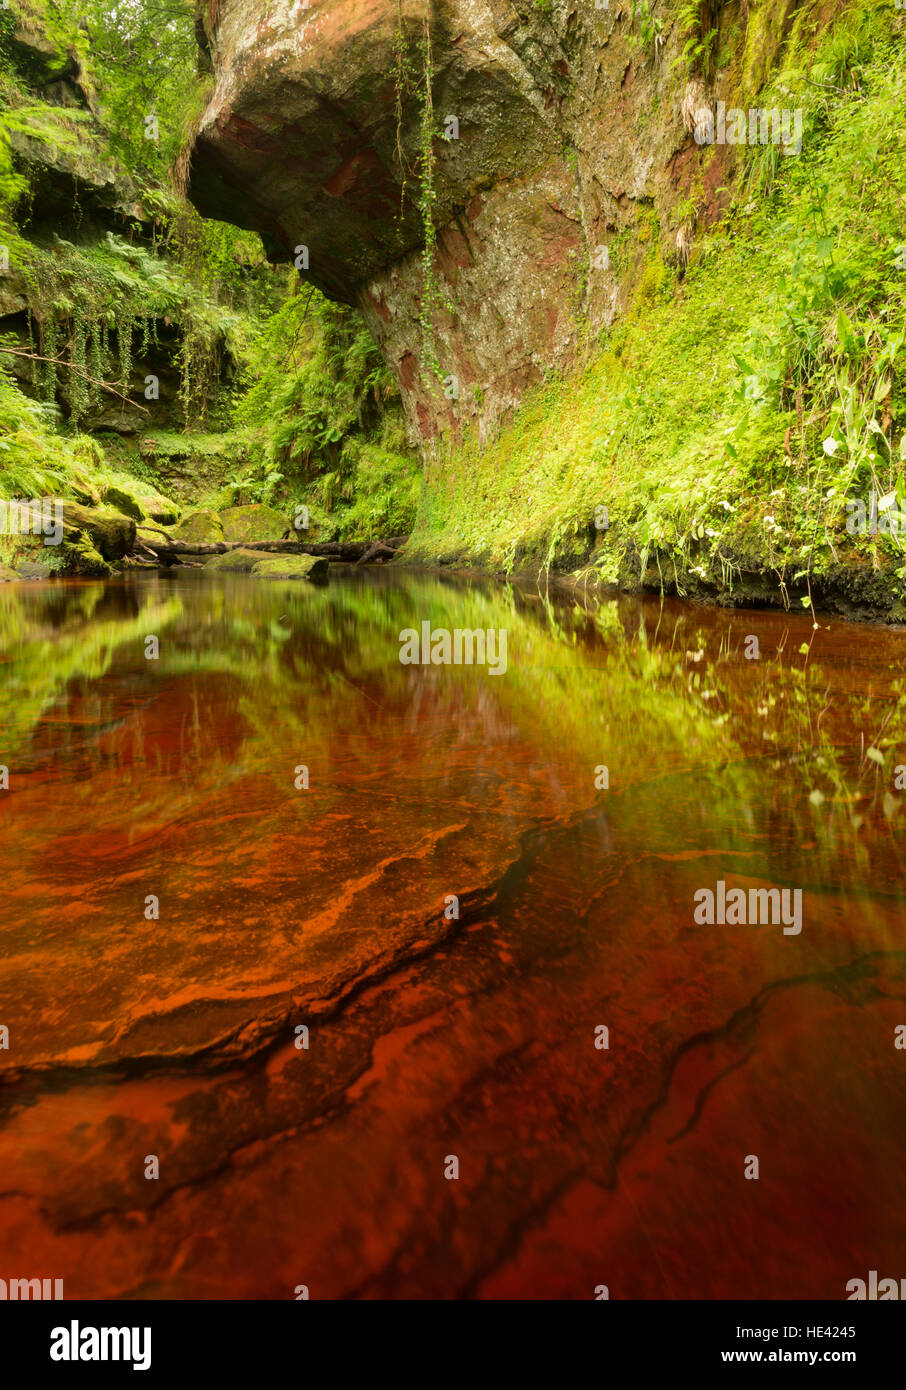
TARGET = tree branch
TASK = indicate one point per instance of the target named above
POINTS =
(72, 367)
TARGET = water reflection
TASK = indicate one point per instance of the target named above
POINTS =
(329, 906)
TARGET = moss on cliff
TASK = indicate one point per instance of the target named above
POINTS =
(721, 426)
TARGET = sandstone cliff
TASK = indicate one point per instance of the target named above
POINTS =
(570, 123)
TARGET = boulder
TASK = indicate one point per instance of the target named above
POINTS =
(85, 559)
(141, 503)
(199, 528)
(153, 534)
(111, 533)
(558, 133)
(311, 567)
(235, 561)
(31, 569)
(253, 523)
(8, 576)
(84, 490)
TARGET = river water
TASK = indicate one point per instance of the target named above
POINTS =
(443, 1023)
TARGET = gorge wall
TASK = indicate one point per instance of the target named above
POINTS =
(575, 143)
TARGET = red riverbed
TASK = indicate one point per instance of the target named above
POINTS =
(173, 1037)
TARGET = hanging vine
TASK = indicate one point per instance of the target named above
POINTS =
(416, 79)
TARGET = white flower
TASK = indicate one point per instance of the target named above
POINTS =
(830, 446)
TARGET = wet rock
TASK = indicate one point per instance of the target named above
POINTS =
(253, 523)
(12, 297)
(311, 567)
(302, 137)
(7, 575)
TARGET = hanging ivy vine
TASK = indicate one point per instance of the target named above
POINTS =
(415, 79)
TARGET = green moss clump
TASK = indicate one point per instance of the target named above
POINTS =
(234, 561)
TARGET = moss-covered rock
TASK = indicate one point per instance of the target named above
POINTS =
(111, 533)
(153, 534)
(235, 561)
(85, 559)
(193, 465)
(311, 567)
(141, 503)
(8, 576)
(199, 528)
(84, 489)
(32, 569)
(253, 523)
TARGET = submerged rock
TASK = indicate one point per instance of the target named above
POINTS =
(311, 567)
(253, 523)
(200, 528)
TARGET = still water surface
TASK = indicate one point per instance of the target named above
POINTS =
(431, 1038)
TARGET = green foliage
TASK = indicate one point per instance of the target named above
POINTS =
(95, 307)
(414, 77)
(650, 27)
(27, 444)
(697, 25)
(326, 419)
(145, 56)
(732, 413)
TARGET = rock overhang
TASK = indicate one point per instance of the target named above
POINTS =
(308, 139)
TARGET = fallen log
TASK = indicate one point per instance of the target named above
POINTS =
(377, 554)
(347, 552)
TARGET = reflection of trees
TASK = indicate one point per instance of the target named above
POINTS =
(658, 695)
(60, 634)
